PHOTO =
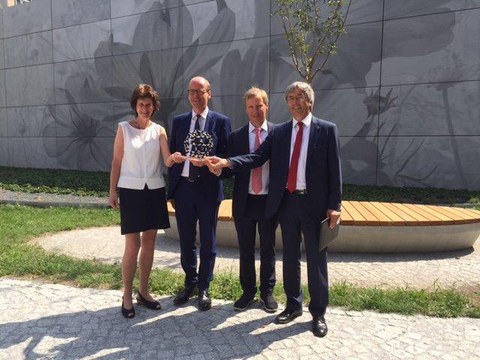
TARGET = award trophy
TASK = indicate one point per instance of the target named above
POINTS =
(198, 144)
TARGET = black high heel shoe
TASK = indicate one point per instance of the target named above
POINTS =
(153, 305)
(128, 313)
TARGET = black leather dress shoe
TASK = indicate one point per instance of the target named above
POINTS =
(287, 315)
(268, 303)
(184, 295)
(204, 301)
(244, 302)
(319, 327)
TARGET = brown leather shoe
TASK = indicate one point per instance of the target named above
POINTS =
(319, 327)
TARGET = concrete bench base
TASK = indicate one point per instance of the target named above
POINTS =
(396, 239)
(418, 228)
(373, 239)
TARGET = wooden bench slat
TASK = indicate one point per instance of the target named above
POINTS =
(356, 215)
(379, 214)
(460, 215)
(474, 215)
(403, 213)
(444, 216)
(408, 214)
(411, 217)
(475, 212)
(225, 210)
(468, 213)
(346, 217)
(455, 214)
(372, 215)
(420, 217)
(420, 209)
(442, 219)
(394, 218)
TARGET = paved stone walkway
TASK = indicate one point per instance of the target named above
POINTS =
(43, 321)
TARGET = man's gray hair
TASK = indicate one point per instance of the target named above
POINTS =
(305, 87)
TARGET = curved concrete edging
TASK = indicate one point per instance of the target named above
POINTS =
(397, 239)
(374, 239)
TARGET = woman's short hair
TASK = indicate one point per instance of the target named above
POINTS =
(145, 91)
(255, 91)
(305, 87)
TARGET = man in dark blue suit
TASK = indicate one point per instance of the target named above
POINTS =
(250, 191)
(305, 187)
(197, 193)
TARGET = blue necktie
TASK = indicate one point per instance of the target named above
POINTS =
(194, 171)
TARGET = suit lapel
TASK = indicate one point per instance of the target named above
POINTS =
(184, 130)
(269, 127)
(245, 143)
(286, 137)
(209, 122)
(312, 139)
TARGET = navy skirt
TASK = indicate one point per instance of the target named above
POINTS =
(142, 210)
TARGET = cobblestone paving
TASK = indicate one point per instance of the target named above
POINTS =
(43, 321)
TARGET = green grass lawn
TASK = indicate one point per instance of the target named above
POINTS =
(20, 224)
(97, 184)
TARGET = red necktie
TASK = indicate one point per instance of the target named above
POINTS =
(257, 172)
(292, 173)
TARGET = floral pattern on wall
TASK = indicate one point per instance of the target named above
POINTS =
(403, 90)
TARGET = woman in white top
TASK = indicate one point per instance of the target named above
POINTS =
(137, 187)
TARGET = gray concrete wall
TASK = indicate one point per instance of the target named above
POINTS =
(404, 88)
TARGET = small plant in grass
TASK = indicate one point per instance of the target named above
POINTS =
(226, 286)
(165, 281)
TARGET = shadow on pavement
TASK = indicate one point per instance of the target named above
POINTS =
(170, 333)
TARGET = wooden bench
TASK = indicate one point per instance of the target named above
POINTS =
(380, 227)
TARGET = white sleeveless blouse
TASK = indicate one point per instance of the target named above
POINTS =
(141, 157)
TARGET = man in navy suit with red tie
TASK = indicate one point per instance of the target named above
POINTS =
(305, 187)
(196, 192)
(250, 191)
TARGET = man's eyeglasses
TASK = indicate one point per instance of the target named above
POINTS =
(197, 92)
